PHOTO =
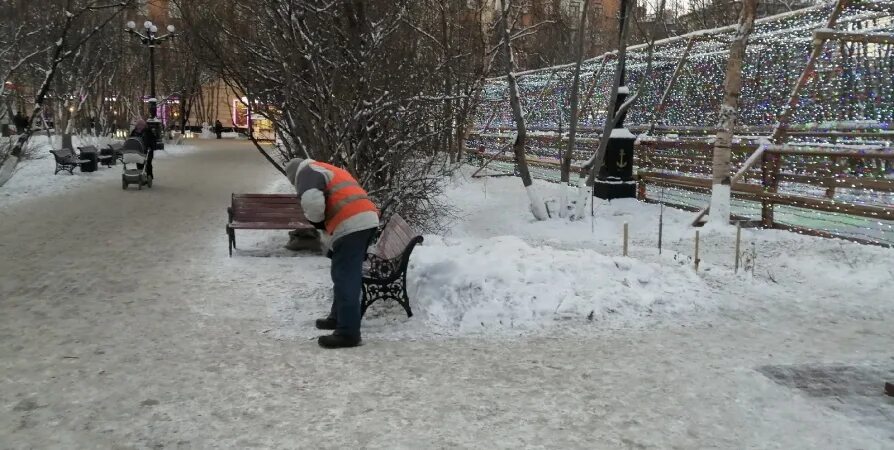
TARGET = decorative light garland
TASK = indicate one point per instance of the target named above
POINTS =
(850, 89)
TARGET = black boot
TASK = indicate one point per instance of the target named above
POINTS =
(326, 324)
(338, 341)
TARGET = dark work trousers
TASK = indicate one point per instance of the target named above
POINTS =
(348, 253)
(149, 163)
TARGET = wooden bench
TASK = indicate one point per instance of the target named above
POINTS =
(66, 159)
(264, 212)
(102, 157)
(385, 272)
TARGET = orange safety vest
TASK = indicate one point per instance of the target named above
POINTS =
(344, 197)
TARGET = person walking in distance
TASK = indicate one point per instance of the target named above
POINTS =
(334, 202)
(145, 133)
(218, 128)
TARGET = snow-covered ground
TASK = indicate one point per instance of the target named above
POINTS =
(125, 325)
(499, 272)
(34, 177)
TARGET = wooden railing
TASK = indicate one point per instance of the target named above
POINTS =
(839, 180)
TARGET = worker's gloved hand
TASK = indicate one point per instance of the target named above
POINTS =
(319, 225)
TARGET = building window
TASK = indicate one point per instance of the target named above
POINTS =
(574, 10)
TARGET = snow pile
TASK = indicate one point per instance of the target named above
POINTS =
(498, 272)
(477, 284)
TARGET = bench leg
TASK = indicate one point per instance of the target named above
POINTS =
(396, 290)
(231, 240)
(405, 299)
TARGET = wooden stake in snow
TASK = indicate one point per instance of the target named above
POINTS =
(625, 238)
(738, 243)
(720, 191)
(661, 219)
(696, 251)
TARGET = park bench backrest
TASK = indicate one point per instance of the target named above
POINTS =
(265, 208)
(395, 238)
(116, 147)
(88, 149)
(63, 155)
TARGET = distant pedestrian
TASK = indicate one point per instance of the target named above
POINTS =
(142, 131)
(21, 122)
(218, 128)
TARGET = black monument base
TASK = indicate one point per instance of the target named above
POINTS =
(155, 125)
(611, 189)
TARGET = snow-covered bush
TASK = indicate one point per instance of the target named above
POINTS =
(379, 88)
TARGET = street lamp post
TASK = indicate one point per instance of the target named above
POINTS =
(151, 40)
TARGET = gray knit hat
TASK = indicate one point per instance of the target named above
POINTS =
(292, 169)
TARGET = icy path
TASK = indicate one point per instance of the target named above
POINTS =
(124, 325)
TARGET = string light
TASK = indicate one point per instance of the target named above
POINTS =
(849, 90)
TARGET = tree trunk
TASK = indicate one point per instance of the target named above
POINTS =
(538, 208)
(721, 186)
(575, 113)
(592, 167)
(9, 166)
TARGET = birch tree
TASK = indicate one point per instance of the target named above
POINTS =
(575, 113)
(538, 208)
(732, 88)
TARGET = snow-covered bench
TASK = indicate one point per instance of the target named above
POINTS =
(385, 272)
(66, 159)
(264, 212)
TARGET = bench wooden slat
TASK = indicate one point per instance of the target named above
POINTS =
(291, 225)
(264, 212)
(279, 195)
(250, 212)
(265, 197)
(284, 208)
(266, 205)
(265, 215)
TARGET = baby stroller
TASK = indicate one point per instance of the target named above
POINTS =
(135, 154)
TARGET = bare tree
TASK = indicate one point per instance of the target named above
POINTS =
(575, 112)
(720, 192)
(384, 89)
(538, 208)
(72, 25)
(614, 112)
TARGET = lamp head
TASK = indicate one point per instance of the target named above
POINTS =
(147, 24)
(154, 29)
(131, 25)
(171, 29)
